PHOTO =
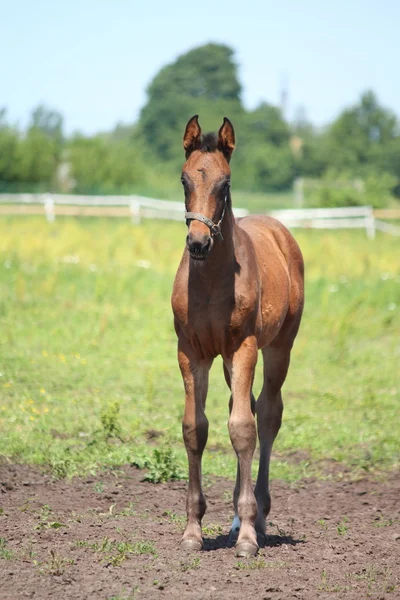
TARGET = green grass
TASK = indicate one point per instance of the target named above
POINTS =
(88, 363)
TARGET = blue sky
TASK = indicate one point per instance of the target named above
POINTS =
(92, 60)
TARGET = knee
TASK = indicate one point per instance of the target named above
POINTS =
(195, 434)
(243, 434)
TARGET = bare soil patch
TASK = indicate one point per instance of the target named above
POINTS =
(114, 536)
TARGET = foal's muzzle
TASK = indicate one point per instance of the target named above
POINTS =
(198, 246)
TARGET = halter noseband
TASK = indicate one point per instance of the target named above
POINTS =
(215, 228)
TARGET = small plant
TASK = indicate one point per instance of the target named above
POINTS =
(115, 553)
(384, 522)
(98, 487)
(252, 564)
(109, 421)
(343, 528)
(144, 547)
(162, 467)
(128, 511)
(56, 564)
(5, 553)
(212, 530)
(323, 524)
(44, 522)
(178, 520)
(82, 544)
(27, 553)
(325, 586)
(126, 595)
(192, 564)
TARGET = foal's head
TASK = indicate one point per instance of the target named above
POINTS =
(206, 181)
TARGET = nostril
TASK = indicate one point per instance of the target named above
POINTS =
(208, 244)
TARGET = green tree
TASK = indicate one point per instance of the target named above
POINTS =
(99, 165)
(49, 121)
(9, 141)
(353, 139)
(202, 81)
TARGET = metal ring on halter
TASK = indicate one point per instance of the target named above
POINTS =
(215, 228)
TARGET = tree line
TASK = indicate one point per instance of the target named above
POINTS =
(353, 160)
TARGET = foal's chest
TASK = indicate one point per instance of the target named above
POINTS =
(211, 323)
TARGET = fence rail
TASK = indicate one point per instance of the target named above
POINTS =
(138, 207)
(351, 217)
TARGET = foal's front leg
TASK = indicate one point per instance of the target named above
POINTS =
(195, 432)
(242, 431)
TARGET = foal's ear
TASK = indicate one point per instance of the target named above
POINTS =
(226, 139)
(192, 135)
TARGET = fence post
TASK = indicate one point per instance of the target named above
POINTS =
(298, 188)
(135, 211)
(49, 208)
(370, 224)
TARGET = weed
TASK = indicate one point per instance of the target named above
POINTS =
(343, 528)
(98, 487)
(144, 547)
(323, 524)
(162, 466)
(82, 544)
(5, 553)
(192, 564)
(128, 511)
(115, 553)
(27, 553)
(178, 520)
(325, 586)
(56, 564)
(212, 530)
(44, 522)
(109, 420)
(106, 545)
(384, 521)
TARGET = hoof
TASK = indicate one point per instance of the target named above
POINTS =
(246, 549)
(191, 545)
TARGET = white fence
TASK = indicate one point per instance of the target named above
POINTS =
(357, 217)
(351, 217)
(138, 207)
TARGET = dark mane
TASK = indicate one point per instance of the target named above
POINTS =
(209, 142)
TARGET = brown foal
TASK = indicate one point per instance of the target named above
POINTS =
(238, 289)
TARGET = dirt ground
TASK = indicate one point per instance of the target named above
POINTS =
(114, 536)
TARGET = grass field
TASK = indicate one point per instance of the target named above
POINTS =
(88, 370)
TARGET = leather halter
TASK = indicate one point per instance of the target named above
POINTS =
(215, 228)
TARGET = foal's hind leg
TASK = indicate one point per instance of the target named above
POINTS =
(195, 433)
(269, 408)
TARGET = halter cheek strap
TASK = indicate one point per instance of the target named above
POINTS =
(215, 228)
